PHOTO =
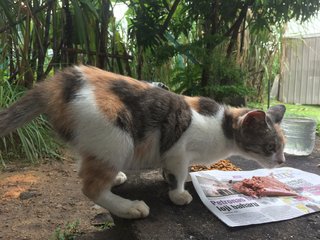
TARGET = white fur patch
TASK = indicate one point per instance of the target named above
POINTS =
(95, 134)
(122, 207)
(180, 198)
(119, 179)
(204, 140)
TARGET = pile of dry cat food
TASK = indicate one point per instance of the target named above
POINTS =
(223, 165)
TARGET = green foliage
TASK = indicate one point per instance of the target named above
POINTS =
(69, 232)
(228, 79)
(146, 20)
(186, 80)
(107, 225)
(270, 13)
(31, 142)
(262, 58)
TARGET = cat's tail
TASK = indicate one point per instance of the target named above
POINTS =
(23, 111)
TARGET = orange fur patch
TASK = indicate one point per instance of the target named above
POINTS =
(280, 133)
(145, 146)
(106, 100)
(95, 75)
(57, 108)
(97, 175)
(236, 113)
(193, 102)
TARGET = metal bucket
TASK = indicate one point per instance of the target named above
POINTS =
(301, 134)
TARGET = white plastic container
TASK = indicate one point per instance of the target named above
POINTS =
(301, 134)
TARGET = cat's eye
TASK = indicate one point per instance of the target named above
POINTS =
(269, 148)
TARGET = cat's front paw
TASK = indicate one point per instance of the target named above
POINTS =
(138, 209)
(180, 198)
(119, 179)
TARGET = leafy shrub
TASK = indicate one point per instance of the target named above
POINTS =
(186, 80)
(227, 80)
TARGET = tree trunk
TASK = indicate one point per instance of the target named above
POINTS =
(67, 42)
(11, 57)
(140, 62)
(236, 29)
(103, 39)
(25, 68)
(210, 29)
(46, 43)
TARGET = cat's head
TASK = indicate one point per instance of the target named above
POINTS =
(259, 136)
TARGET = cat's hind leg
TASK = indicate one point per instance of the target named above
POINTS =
(98, 177)
(175, 173)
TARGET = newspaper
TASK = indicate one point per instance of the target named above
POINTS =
(234, 209)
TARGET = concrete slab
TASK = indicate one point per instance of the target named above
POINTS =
(168, 221)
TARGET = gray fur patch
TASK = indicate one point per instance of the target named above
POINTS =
(72, 82)
(170, 179)
(152, 109)
(276, 113)
(227, 125)
(22, 111)
(208, 107)
(259, 138)
(65, 133)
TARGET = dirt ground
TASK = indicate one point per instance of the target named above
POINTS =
(36, 201)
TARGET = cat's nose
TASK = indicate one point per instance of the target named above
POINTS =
(279, 158)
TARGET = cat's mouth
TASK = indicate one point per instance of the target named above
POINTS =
(270, 164)
(274, 161)
(279, 157)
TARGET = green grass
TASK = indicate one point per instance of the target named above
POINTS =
(29, 143)
(295, 110)
(69, 232)
(107, 225)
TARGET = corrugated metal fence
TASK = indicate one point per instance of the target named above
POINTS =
(300, 71)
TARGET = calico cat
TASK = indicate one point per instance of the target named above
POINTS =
(116, 122)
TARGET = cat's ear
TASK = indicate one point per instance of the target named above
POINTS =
(254, 118)
(276, 113)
